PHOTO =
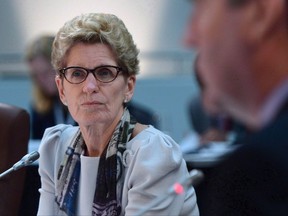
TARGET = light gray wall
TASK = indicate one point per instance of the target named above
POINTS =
(156, 25)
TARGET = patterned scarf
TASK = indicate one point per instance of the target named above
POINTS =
(110, 179)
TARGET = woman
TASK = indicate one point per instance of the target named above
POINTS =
(46, 109)
(110, 164)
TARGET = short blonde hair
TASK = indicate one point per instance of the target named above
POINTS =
(97, 28)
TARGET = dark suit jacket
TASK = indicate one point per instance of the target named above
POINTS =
(41, 121)
(253, 180)
(142, 114)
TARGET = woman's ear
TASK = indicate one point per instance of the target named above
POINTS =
(59, 84)
(131, 82)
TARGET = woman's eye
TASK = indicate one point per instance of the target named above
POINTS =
(104, 72)
(78, 73)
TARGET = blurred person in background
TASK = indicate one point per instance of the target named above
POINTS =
(110, 164)
(218, 127)
(46, 108)
(244, 68)
(208, 128)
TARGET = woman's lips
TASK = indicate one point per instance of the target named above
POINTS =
(91, 103)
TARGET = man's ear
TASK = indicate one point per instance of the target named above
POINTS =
(262, 17)
(59, 83)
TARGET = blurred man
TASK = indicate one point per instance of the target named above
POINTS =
(244, 68)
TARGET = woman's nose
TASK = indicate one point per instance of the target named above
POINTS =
(90, 84)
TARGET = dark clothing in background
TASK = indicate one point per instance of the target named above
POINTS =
(42, 121)
(201, 121)
(254, 179)
(143, 115)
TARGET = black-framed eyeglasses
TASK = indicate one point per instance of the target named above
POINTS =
(103, 73)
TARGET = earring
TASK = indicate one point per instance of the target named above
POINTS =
(126, 100)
